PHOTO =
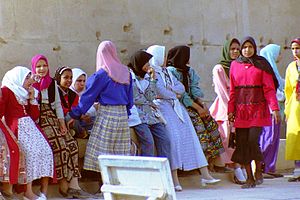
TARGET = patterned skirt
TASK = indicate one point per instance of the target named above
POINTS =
(64, 147)
(38, 153)
(208, 134)
(4, 158)
(110, 136)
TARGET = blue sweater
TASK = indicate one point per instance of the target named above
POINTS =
(101, 88)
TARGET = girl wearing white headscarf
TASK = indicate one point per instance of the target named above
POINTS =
(270, 136)
(19, 108)
(186, 150)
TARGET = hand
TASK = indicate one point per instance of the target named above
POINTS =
(31, 92)
(85, 118)
(63, 127)
(36, 78)
(151, 72)
(277, 117)
(203, 112)
(178, 96)
(231, 117)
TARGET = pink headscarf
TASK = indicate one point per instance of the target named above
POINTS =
(108, 60)
(46, 80)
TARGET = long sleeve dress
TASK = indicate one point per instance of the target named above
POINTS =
(292, 112)
(218, 109)
(206, 128)
(20, 120)
(186, 150)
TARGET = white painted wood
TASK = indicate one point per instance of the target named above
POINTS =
(147, 177)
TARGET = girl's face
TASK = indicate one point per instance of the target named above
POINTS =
(80, 83)
(296, 50)
(28, 81)
(146, 67)
(234, 50)
(66, 79)
(42, 68)
(248, 50)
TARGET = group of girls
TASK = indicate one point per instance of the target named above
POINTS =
(158, 95)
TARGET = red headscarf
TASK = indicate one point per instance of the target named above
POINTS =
(46, 80)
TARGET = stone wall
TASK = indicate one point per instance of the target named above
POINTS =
(69, 31)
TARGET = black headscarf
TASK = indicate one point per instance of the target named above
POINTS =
(179, 57)
(256, 60)
(226, 59)
(137, 61)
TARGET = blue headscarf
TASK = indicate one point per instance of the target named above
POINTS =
(271, 53)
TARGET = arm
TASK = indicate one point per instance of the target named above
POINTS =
(2, 103)
(95, 84)
(220, 84)
(270, 91)
(288, 88)
(57, 105)
(163, 92)
(130, 97)
(231, 102)
(196, 91)
(151, 91)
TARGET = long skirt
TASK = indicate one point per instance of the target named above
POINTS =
(110, 136)
(269, 143)
(38, 153)
(247, 145)
(208, 134)
(186, 152)
(64, 147)
(12, 163)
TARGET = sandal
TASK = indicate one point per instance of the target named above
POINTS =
(259, 179)
(237, 181)
(294, 179)
(248, 184)
(276, 175)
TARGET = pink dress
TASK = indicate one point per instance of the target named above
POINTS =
(218, 109)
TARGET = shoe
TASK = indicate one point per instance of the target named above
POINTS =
(222, 169)
(248, 184)
(294, 179)
(9, 196)
(209, 181)
(79, 194)
(276, 175)
(268, 176)
(237, 181)
(64, 194)
(178, 188)
(259, 179)
(43, 196)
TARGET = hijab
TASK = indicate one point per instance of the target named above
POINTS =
(59, 72)
(271, 53)
(14, 80)
(107, 59)
(77, 72)
(226, 59)
(256, 60)
(296, 40)
(46, 80)
(137, 61)
(179, 57)
(158, 53)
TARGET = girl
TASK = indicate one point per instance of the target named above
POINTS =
(151, 132)
(111, 86)
(186, 152)
(19, 94)
(218, 109)
(292, 109)
(206, 127)
(78, 86)
(252, 91)
(52, 122)
(270, 137)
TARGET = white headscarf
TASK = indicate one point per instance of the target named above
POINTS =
(157, 61)
(271, 53)
(76, 73)
(14, 80)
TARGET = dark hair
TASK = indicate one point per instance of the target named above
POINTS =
(59, 72)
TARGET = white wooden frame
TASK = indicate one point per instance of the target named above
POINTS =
(134, 177)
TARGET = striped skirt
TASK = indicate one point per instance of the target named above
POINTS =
(64, 147)
(110, 136)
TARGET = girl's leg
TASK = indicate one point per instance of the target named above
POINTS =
(29, 193)
(74, 184)
(250, 179)
(63, 187)
(7, 189)
(44, 185)
(176, 183)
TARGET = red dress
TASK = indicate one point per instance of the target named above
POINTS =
(252, 95)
